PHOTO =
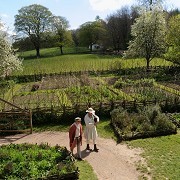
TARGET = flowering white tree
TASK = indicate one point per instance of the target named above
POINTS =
(9, 61)
(148, 34)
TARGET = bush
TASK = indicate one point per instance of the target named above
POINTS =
(148, 122)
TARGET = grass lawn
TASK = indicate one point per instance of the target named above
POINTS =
(162, 155)
(86, 171)
(52, 62)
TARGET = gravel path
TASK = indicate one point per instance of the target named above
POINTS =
(112, 162)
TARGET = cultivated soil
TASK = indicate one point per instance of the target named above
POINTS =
(112, 162)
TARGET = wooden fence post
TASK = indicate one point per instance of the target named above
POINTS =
(124, 104)
(135, 104)
(30, 117)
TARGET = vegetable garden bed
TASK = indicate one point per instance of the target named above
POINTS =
(28, 161)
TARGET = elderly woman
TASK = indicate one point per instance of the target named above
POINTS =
(90, 132)
(75, 136)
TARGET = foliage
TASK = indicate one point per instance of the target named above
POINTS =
(59, 26)
(9, 61)
(35, 161)
(119, 26)
(173, 40)
(148, 34)
(33, 20)
(23, 44)
(91, 33)
(177, 117)
(146, 123)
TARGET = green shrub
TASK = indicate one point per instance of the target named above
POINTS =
(163, 124)
(148, 122)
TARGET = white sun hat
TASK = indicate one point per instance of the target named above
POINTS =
(90, 110)
(77, 119)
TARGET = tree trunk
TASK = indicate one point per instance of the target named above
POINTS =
(147, 65)
(61, 49)
(37, 52)
(91, 47)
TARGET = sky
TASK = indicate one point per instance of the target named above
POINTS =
(76, 12)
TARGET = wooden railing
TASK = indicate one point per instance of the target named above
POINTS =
(15, 119)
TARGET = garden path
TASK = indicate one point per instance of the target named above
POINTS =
(112, 162)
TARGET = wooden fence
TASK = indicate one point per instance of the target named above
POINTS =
(16, 119)
(105, 106)
(127, 71)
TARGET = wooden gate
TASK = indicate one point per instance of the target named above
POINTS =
(16, 119)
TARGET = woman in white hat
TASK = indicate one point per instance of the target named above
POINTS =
(90, 131)
(75, 136)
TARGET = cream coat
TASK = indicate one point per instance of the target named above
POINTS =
(90, 131)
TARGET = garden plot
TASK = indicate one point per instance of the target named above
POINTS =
(175, 85)
(58, 82)
(52, 92)
(60, 91)
(87, 94)
(95, 90)
(148, 93)
(39, 99)
(146, 90)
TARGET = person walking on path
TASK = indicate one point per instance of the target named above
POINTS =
(75, 137)
(90, 132)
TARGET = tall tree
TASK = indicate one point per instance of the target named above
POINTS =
(33, 20)
(60, 26)
(91, 33)
(9, 61)
(173, 39)
(75, 38)
(148, 34)
(119, 26)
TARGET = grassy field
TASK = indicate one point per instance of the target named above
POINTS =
(52, 62)
(162, 155)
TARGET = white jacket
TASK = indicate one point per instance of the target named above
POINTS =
(90, 131)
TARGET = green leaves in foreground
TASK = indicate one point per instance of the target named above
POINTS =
(26, 161)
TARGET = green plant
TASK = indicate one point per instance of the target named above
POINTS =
(28, 161)
(149, 121)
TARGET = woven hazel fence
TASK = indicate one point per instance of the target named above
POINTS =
(105, 107)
